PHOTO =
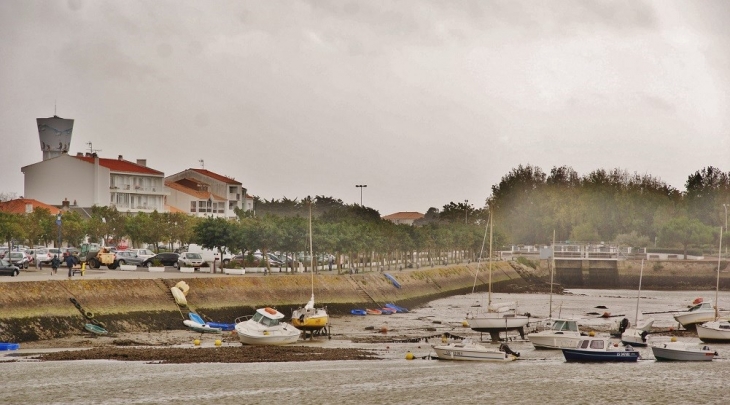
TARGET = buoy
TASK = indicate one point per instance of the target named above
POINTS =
(409, 355)
(196, 342)
(272, 311)
(591, 333)
(674, 339)
(464, 323)
(384, 330)
(443, 339)
(218, 342)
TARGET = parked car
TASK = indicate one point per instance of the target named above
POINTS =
(42, 256)
(190, 259)
(167, 259)
(128, 257)
(8, 269)
(142, 253)
(19, 259)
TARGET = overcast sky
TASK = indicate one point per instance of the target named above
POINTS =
(426, 102)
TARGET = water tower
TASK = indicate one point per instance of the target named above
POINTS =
(55, 135)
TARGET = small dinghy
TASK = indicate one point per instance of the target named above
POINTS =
(371, 311)
(9, 346)
(199, 327)
(358, 312)
(96, 329)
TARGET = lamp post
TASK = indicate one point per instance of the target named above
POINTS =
(361, 186)
(58, 225)
(466, 212)
(725, 206)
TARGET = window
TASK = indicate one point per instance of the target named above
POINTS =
(597, 344)
(192, 206)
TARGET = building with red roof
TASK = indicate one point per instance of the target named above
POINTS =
(203, 193)
(25, 206)
(406, 218)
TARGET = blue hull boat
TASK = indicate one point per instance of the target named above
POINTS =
(600, 350)
(359, 312)
(392, 280)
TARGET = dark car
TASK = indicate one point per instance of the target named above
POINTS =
(127, 257)
(8, 269)
(167, 259)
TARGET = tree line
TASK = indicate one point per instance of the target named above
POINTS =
(528, 206)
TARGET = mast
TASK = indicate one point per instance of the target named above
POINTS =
(481, 253)
(552, 273)
(638, 296)
(491, 230)
(311, 250)
(717, 289)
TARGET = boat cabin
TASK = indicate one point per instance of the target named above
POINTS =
(702, 306)
(562, 325)
(267, 316)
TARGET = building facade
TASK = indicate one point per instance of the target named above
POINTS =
(203, 193)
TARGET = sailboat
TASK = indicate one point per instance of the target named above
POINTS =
(498, 318)
(563, 333)
(309, 318)
(717, 331)
(636, 335)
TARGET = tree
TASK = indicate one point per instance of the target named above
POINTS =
(11, 227)
(73, 228)
(685, 231)
(215, 233)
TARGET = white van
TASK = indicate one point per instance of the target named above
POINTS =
(209, 255)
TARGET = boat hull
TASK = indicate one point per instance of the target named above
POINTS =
(591, 356)
(634, 337)
(489, 323)
(470, 353)
(311, 323)
(691, 319)
(552, 341)
(714, 332)
(670, 352)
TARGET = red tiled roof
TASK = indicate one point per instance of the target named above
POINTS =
(404, 215)
(117, 165)
(217, 176)
(18, 205)
(202, 195)
(173, 210)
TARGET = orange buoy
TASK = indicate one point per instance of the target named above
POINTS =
(272, 311)
(697, 300)
(384, 330)
(606, 315)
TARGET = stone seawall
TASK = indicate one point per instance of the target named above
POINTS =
(44, 310)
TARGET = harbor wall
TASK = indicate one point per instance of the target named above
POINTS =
(44, 310)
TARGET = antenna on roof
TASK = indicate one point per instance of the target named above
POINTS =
(54, 108)
(91, 149)
(202, 163)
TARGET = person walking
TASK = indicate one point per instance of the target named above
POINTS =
(70, 263)
(54, 264)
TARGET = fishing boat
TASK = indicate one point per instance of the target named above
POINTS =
(265, 327)
(599, 349)
(469, 351)
(681, 351)
(309, 318)
(636, 336)
(564, 333)
(498, 317)
(717, 330)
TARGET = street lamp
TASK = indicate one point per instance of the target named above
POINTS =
(361, 186)
(466, 212)
(58, 225)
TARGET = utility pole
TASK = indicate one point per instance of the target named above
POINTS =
(361, 186)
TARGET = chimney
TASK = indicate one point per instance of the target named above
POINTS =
(79, 154)
(121, 157)
(88, 154)
(142, 162)
(65, 203)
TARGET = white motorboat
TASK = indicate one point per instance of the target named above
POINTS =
(470, 351)
(265, 328)
(714, 332)
(681, 351)
(699, 313)
(564, 333)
